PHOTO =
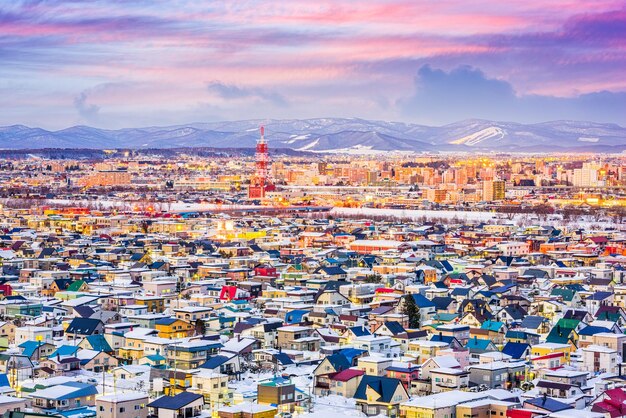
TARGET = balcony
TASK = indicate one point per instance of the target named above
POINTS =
(449, 385)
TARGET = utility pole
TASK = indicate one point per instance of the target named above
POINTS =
(175, 358)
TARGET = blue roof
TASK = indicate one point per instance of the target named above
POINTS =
(175, 402)
(83, 412)
(351, 353)
(504, 288)
(155, 357)
(384, 386)
(4, 380)
(478, 344)
(549, 404)
(339, 362)
(532, 321)
(283, 359)
(460, 291)
(165, 321)
(600, 295)
(295, 316)
(214, 362)
(395, 327)
(442, 338)
(29, 347)
(83, 326)
(360, 331)
(592, 330)
(65, 350)
(492, 325)
(332, 270)
(515, 350)
(422, 302)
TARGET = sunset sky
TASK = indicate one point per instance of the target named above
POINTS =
(128, 63)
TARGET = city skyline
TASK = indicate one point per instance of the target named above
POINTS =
(113, 64)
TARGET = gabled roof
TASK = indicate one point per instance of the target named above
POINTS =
(394, 327)
(600, 296)
(492, 325)
(66, 391)
(515, 350)
(514, 311)
(65, 350)
(99, 343)
(533, 321)
(84, 326)
(592, 330)
(165, 321)
(360, 331)
(346, 375)
(422, 302)
(384, 386)
(283, 359)
(215, 362)
(478, 344)
(548, 404)
(351, 353)
(295, 316)
(559, 334)
(442, 302)
(339, 362)
(30, 347)
(75, 286)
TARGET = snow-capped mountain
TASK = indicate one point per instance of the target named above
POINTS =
(335, 135)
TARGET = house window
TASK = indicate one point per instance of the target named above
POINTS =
(122, 409)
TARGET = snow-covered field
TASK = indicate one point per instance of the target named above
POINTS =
(473, 217)
(585, 222)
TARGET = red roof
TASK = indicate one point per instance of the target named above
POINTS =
(345, 375)
(547, 356)
(385, 290)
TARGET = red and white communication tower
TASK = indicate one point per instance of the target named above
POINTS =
(260, 182)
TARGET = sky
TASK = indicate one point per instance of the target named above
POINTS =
(131, 63)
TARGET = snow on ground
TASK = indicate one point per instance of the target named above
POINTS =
(333, 406)
(472, 216)
(585, 222)
(309, 146)
(480, 136)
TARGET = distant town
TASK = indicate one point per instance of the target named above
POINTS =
(271, 285)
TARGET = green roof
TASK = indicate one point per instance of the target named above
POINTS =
(568, 323)
(99, 343)
(566, 294)
(445, 317)
(559, 335)
(75, 286)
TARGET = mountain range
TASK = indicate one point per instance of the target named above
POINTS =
(351, 135)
